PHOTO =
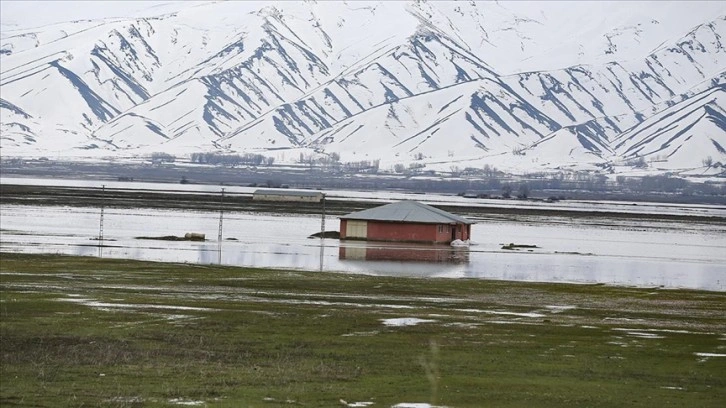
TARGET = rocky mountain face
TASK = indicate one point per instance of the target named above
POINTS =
(437, 83)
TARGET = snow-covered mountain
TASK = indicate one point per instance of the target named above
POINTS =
(523, 86)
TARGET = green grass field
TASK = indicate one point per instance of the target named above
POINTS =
(79, 331)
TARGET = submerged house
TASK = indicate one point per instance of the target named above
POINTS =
(405, 221)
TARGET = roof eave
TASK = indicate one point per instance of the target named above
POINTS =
(467, 222)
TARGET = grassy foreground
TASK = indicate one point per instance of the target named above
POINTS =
(79, 331)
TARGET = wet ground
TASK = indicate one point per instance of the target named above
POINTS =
(105, 332)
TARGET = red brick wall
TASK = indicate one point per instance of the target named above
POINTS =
(396, 231)
(444, 233)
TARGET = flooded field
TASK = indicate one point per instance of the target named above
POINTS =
(631, 252)
(102, 330)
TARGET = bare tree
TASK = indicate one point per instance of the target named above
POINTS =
(523, 191)
(507, 191)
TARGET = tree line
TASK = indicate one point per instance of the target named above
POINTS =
(249, 159)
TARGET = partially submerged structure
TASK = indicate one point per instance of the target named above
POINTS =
(405, 221)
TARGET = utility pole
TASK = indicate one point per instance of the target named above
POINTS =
(100, 225)
(322, 236)
(219, 236)
(322, 221)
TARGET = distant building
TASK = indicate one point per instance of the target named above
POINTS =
(287, 195)
(405, 221)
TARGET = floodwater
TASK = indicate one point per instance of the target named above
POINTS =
(631, 252)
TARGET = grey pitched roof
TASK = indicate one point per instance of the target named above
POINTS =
(408, 211)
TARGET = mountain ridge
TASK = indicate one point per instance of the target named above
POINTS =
(132, 87)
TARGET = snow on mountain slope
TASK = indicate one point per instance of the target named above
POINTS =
(525, 36)
(538, 83)
(423, 63)
(27, 14)
(618, 91)
(570, 147)
(17, 126)
(598, 32)
(232, 87)
(15, 41)
(470, 119)
(19, 130)
(594, 103)
(682, 136)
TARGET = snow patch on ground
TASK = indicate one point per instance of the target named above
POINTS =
(463, 325)
(113, 306)
(645, 335)
(362, 334)
(518, 322)
(405, 321)
(416, 405)
(662, 331)
(560, 308)
(501, 313)
(710, 354)
(360, 404)
(182, 401)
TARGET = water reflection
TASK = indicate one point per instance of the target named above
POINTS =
(384, 251)
(322, 254)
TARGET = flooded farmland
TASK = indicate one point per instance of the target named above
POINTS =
(631, 252)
